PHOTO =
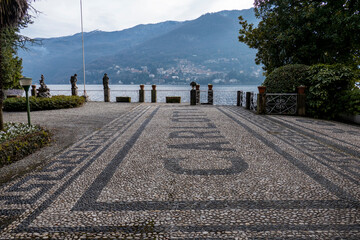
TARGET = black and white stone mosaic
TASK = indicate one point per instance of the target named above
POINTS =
(185, 172)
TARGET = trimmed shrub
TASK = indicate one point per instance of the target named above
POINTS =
(331, 91)
(39, 104)
(286, 79)
(173, 99)
(17, 148)
(123, 99)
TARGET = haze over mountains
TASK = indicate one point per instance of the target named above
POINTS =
(205, 50)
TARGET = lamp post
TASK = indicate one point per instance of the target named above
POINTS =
(83, 47)
(26, 83)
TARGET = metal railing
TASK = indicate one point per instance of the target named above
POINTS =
(285, 104)
(253, 101)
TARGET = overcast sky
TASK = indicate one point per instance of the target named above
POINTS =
(62, 17)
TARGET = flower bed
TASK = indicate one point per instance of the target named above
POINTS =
(18, 140)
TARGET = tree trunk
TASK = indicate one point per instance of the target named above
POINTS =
(1, 86)
(1, 114)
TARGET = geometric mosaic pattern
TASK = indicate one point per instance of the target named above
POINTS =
(281, 104)
(179, 171)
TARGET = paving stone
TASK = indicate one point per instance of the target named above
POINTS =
(183, 172)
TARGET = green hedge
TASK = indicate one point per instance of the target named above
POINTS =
(22, 146)
(38, 104)
(173, 99)
(331, 91)
(286, 79)
(330, 88)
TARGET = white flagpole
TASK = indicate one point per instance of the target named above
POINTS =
(83, 49)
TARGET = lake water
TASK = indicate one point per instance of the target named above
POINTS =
(223, 95)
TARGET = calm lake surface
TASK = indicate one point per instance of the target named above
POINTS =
(223, 95)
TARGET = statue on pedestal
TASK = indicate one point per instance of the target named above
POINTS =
(106, 81)
(43, 91)
(106, 88)
(74, 88)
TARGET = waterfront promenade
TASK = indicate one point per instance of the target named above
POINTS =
(168, 171)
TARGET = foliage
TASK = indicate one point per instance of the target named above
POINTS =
(331, 90)
(351, 101)
(13, 130)
(13, 15)
(304, 32)
(286, 79)
(38, 104)
(173, 99)
(12, 65)
(123, 99)
(19, 141)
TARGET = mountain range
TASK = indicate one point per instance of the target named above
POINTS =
(205, 50)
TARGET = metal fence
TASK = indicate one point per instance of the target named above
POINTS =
(285, 104)
(253, 101)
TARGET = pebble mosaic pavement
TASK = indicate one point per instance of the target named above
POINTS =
(183, 172)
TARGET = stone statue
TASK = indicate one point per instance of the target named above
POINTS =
(43, 91)
(73, 81)
(106, 88)
(106, 81)
(74, 88)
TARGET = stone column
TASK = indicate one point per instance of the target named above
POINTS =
(33, 90)
(301, 101)
(142, 93)
(261, 100)
(107, 94)
(74, 88)
(248, 97)
(210, 94)
(193, 97)
(239, 98)
(106, 88)
(197, 94)
(74, 91)
(153, 94)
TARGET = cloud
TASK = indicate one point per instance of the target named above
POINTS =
(61, 18)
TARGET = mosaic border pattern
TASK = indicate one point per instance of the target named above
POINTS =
(88, 201)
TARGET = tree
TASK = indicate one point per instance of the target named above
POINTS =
(304, 32)
(12, 13)
(12, 64)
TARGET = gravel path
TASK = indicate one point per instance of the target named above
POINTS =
(68, 127)
(168, 171)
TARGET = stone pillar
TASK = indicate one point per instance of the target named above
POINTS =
(106, 94)
(193, 97)
(74, 91)
(239, 98)
(142, 93)
(301, 101)
(210, 94)
(106, 88)
(153, 94)
(33, 90)
(197, 94)
(261, 100)
(248, 97)
(74, 88)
